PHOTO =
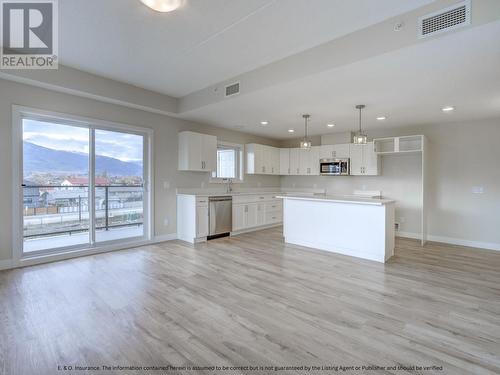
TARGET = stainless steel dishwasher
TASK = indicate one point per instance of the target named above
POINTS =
(220, 216)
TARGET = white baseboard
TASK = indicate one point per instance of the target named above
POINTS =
(164, 238)
(415, 236)
(5, 264)
(453, 241)
(254, 229)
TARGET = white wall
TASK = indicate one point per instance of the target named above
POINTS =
(165, 149)
(461, 156)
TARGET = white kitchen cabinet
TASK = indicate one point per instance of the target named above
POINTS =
(251, 215)
(339, 151)
(284, 161)
(201, 221)
(192, 218)
(364, 160)
(254, 211)
(260, 215)
(309, 161)
(262, 159)
(239, 217)
(295, 161)
(197, 152)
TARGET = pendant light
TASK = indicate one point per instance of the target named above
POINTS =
(360, 138)
(305, 143)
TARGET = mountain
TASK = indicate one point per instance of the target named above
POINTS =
(38, 159)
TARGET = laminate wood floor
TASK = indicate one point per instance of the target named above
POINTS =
(253, 301)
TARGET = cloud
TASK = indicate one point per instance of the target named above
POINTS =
(122, 146)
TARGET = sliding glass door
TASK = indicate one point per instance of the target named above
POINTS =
(119, 185)
(55, 186)
(83, 186)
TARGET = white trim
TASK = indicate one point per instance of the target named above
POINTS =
(453, 241)
(18, 113)
(164, 238)
(5, 264)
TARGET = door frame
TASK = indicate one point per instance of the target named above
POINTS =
(21, 112)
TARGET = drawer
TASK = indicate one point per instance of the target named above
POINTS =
(274, 217)
(243, 199)
(201, 201)
(274, 206)
(265, 197)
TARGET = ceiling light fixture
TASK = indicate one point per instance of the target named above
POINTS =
(448, 108)
(305, 143)
(264, 123)
(330, 125)
(291, 130)
(163, 5)
(381, 118)
(360, 138)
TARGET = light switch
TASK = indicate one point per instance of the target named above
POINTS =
(166, 185)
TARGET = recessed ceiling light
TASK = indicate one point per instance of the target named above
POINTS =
(448, 108)
(291, 130)
(163, 5)
(264, 123)
(330, 125)
(381, 118)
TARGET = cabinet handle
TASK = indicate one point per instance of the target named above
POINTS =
(297, 170)
(272, 170)
(246, 208)
(288, 170)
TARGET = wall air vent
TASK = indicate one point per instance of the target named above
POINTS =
(444, 20)
(232, 89)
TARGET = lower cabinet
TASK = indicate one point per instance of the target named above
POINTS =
(192, 218)
(201, 221)
(256, 211)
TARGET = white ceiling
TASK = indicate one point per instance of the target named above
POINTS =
(204, 42)
(409, 86)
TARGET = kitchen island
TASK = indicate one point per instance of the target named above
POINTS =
(356, 226)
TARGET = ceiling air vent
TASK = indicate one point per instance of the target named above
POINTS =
(233, 89)
(444, 20)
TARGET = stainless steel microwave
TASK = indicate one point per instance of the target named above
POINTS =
(334, 167)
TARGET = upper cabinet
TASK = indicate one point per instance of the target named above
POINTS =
(309, 161)
(284, 161)
(262, 159)
(340, 151)
(197, 152)
(364, 160)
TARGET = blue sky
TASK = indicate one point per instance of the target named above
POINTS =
(125, 147)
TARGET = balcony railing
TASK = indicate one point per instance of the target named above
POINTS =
(57, 210)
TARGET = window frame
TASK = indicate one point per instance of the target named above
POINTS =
(19, 113)
(240, 162)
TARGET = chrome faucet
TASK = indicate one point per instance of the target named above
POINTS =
(229, 185)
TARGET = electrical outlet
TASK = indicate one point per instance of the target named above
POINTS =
(166, 222)
(166, 185)
(477, 190)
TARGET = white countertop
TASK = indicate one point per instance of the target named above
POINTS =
(337, 198)
(214, 193)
